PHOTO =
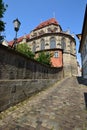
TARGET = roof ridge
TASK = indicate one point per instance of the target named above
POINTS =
(41, 25)
(19, 39)
(47, 22)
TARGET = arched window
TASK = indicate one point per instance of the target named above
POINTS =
(34, 47)
(63, 43)
(42, 44)
(52, 43)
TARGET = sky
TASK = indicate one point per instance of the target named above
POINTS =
(68, 13)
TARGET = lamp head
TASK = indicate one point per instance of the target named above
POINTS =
(17, 24)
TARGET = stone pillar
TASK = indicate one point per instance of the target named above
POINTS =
(66, 64)
(69, 65)
(74, 68)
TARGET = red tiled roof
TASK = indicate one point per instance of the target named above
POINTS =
(10, 43)
(48, 22)
(19, 39)
(43, 24)
(27, 36)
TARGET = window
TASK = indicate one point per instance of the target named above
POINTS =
(63, 44)
(41, 32)
(52, 43)
(86, 43)
(34, 34)
(72, 47)
(34, 47)
(56, 54)
(55, 29)
(49, 30)
(42, 44)
(84, 49)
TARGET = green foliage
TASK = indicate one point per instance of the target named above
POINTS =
(44, 58)
(24, 49)
(2, 11)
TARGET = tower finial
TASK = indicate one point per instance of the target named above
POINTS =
(41, 21)
(54, 15)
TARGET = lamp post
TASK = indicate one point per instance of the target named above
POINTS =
(17, 24)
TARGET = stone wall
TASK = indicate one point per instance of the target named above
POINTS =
(14, 65)
(21, 77)
(15, 91)
(69, 65)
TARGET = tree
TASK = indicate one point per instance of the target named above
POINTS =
(24, 49)
(44, 58)
(2, 11)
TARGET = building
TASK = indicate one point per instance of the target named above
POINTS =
(83, 46)
(79, 70)
(5, 43)
(49, 37)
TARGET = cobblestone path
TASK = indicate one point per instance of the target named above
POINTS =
(60, 107)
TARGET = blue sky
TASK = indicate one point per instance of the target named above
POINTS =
(68, 13)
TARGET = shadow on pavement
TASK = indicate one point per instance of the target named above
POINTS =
(82, 81)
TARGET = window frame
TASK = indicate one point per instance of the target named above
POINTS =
(42, 44)
(52, 43)
(56, 54)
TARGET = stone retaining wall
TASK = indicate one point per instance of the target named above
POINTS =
(15, 91)
(21, 77)
(14, 65)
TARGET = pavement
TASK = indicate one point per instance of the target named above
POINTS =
(62, 106)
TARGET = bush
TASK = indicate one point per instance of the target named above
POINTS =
(24, 49)
(44, 58)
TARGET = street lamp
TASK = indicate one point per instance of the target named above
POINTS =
(17, 24)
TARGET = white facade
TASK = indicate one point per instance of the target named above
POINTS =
(84, 58)
(83, 46)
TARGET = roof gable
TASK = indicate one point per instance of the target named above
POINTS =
(41, 25)
(19, 39)
(46, 23)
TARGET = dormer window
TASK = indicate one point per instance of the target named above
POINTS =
(49, 30)
(34, 34)
(55, 30)
(41, 32)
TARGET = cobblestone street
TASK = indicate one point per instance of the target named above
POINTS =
(59, 107)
